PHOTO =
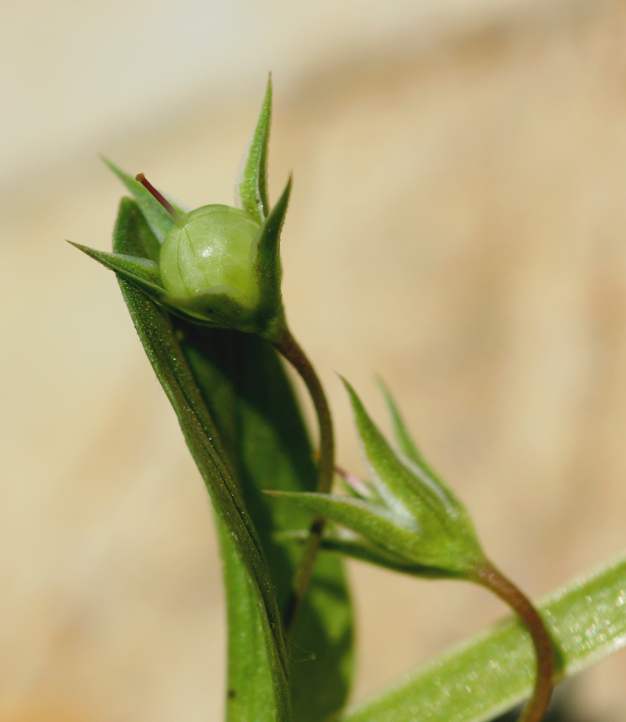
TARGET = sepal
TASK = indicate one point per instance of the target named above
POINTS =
(141, 272)
(370, 521)
(338, 541)
(401, 434)
(269, 270)
(251, 189)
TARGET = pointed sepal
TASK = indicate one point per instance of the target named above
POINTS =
(268, 263)
(403, 437)
(141, 272)
(356, 548)
(370, 521)
(407, 446)
(396, 483)
(251, 189)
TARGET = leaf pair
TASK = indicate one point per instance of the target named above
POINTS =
(404, 517)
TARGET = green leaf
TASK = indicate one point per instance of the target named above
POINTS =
(141, 272)
(495, 670)
(244, 558)
(252, 401)
(251, 189)
(158, 218)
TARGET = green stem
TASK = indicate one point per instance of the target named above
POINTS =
(292, 351)
(491, 578)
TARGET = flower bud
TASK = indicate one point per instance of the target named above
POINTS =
(217, 265)
(211, 256)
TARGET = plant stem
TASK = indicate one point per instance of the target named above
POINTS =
(490, 577)
(292, 351)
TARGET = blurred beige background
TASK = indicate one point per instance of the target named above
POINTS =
(458, 225)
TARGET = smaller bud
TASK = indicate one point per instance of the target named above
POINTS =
(403, 517)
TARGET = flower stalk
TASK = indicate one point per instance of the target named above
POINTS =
(495, 581)
(406, 518)
(293, 352)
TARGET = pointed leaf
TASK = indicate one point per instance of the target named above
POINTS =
(251, 189)
(244, 558)
(159, 220)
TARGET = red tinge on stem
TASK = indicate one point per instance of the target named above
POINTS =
(154, 192)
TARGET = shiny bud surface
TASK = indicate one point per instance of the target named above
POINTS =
(212, 253)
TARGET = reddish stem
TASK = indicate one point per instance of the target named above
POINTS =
(291, 350)
(495, 581)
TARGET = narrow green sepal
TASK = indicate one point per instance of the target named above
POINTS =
(141, 272)
(403, 438)
(132, 225)
(372, 522)
(396, 483)
(356, 548)
(362, 551)
(268, 259)
(251, 189)
(159, 220)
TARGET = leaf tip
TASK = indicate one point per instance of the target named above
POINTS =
(269, 89)
(352, 394)
(84, 249)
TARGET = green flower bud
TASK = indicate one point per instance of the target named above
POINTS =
(216, 265)
(211, 256)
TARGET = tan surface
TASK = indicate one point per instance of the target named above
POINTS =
(458, 226)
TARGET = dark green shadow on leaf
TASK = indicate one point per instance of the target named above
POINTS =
(252, 400)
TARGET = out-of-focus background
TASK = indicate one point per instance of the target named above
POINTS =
(458, 226)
